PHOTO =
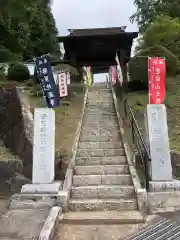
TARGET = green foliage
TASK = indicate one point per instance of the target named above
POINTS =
(36, 90)
(163, 31)
(43, 33)
(27, 28)
(161, 39)
(2, 72)
(18, 72)
(148, 10)
(138, 69)
(145, 13)
(138, 66)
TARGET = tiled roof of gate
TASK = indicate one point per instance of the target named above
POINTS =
(96, 31)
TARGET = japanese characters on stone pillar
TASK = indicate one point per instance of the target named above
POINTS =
(44, 145)
(161, 168)
(43, 154)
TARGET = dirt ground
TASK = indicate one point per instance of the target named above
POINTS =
(67, 119)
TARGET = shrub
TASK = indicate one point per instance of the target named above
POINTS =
(138, 66)
(2, 72)
(18, 72)
(5, 55)
(36, 90)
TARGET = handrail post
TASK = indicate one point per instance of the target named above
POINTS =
(138, 139)
(125, 111)
(146, 172)
(132, 130)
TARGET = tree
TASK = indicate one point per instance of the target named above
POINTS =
(27, 28)
(164, 31)
(160, 39)
(42, 33)
(148, 10)
(145, 13)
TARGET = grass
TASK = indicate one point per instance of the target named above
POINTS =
(6, 154)
(67, 118)
(139, 100)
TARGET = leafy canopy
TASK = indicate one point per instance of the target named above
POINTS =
(148, 10)
(27, 28)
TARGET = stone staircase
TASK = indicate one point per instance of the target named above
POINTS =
(102, 185)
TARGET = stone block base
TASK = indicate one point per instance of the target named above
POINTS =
(164, 186)
(34, 200)
(54, 187)
(164, 196)
(163, 201)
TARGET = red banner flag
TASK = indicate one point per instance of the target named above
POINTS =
(113, 72)
(157, 80)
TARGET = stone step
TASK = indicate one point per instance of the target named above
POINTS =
(100, 91)
(102, 108)
(103, 96)
(106, 105)
(102, 170)
(112, 160)
(100, 145)
(103, 217)
(102, 191)
(100, 116)
(102, 204)
(100, 121)
(89, 180)
(102, 131)
(100, 113)
(98, 127)
(101, 138)
(100, 101)
(99, 124)
(99, 152)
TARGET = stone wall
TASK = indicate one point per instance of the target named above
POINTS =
(16, 125)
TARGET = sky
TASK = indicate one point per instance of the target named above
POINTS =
(93, 14)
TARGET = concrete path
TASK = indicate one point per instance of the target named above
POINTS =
(102, 231)
(24, 224)
(95, 232)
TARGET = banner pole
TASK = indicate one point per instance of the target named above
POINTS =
(149, 79)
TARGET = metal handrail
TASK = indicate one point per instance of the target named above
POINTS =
(139, 141)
